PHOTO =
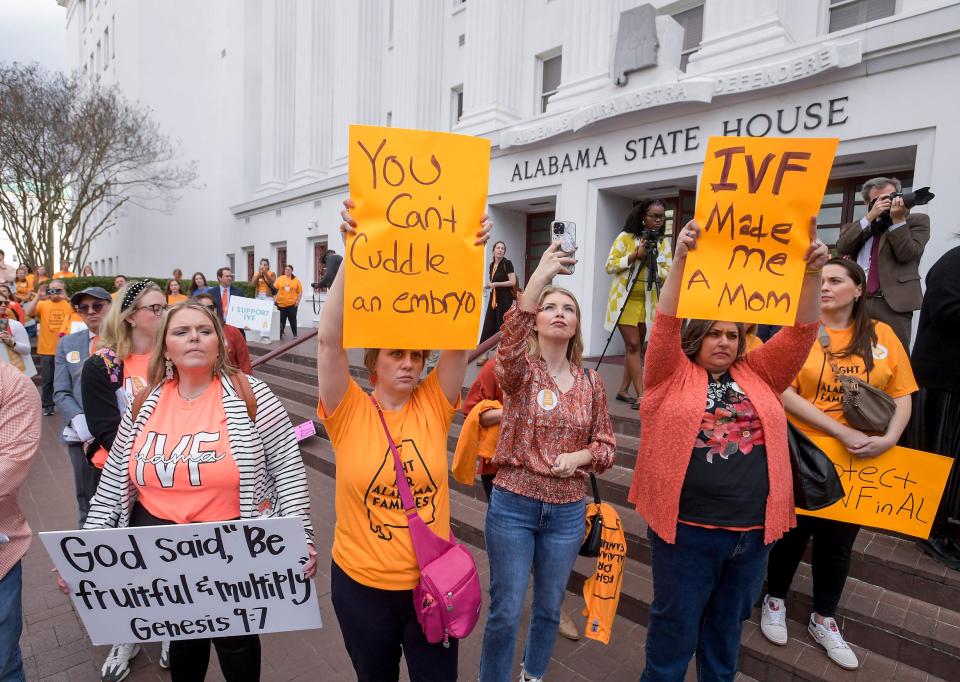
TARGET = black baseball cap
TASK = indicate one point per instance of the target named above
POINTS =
(95, 292)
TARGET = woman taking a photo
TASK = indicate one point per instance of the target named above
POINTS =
(555, 427)
(14, 342)
(172, 292)
(374, 568)
(193, 391)
(198, 284)
(869, 350)
(628, 262)
(114, 374)
(714, 483)
(501, 281)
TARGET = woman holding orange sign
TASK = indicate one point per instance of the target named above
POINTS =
(850, 343)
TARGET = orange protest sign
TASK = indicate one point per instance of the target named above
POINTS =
(899, 490)
(756, 197)
(413, 274)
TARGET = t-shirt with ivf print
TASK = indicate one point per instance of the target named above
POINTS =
(371, 540)
(726, 483)
(817, 383)
(181, 463)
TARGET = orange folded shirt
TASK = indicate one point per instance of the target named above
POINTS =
(475, 441)
(601, 591)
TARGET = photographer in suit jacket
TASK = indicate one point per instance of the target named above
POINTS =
(72, 351)
(888, 243)
(224, 291)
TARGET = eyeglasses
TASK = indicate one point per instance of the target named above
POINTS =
(157, 308)
(54, 291)
(86, 308)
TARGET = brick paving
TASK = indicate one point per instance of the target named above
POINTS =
(56, 648)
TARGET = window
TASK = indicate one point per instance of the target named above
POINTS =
(281, 259)
(549, 79)
(99, 54)
(319, 248)
(692, 22)
(456, 105)
(847, 13)
(538, 239)
(113, 39)
(251, 267)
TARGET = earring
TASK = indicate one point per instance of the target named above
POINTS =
(168, 369)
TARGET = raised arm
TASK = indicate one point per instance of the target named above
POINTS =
(817, 255)
(333, 366)
(670, 292)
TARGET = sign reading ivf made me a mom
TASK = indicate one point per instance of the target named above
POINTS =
(187, 581)
(414, 275)
(756, 198)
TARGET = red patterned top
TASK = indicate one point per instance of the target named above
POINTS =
(539, 422)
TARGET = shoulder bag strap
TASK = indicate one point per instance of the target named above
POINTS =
(138, 401)
(593, 478)
(406, 498)
(245, 391)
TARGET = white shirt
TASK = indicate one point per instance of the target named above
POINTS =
(863, 258)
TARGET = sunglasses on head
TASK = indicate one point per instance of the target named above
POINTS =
(85, 308)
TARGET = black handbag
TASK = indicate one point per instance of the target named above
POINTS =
(815, 481)
(592, 542)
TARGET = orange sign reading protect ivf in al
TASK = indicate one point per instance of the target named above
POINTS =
(899, 490)
(756, 198)
(413, 274)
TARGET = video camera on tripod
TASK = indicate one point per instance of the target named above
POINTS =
(652, 239)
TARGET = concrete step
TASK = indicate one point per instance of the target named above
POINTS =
(799, 659)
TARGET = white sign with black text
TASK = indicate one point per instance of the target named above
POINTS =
(187, 581)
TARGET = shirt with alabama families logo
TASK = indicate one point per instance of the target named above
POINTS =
(818, 383)
(371, 540)
(181, 464)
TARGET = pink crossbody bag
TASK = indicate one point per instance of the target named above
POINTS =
(447, 598)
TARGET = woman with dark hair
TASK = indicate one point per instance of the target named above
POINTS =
(501, 281)
(713, 477)
(856, 345)
(87, 271)
(629, 262)
(198, 284)
(172, 292)
(555, 428)
(936, 419)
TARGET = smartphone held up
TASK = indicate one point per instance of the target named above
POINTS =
(565, 232)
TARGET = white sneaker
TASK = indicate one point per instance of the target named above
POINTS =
(773, 620)
(828, 636)
(524, 678)
(117, 665)
(265, 340)
(165, 655)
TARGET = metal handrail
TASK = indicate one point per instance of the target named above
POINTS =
(306, 336)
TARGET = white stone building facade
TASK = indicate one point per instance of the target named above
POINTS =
(261, 93)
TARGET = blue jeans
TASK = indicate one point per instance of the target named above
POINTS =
(11, 625)
(524, 533)
(704, 587)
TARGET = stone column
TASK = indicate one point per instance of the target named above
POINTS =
(492, 87)
(585, 63)
(314, 81)
(278, 67)
(417, 63)
(737, 31)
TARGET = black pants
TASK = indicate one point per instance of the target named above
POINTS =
(832, 543)
(86, 478)
(380, 625)
(288, 313)
(46, 374)
(487, 481)
(239, 656)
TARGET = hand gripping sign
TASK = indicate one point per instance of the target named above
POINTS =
(187, 581)
(756, 197)
(413, 274)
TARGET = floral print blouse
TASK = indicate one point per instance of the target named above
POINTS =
(539, 422)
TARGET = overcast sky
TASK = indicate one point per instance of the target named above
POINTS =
(33, 31)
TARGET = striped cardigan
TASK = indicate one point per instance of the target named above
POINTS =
(273, 481)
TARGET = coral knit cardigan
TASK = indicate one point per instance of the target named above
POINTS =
(674, 400)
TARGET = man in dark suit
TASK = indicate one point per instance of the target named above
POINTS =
(224, 291)
(888, 243)
(72, 351)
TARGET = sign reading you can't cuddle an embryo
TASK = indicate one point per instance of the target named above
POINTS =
(187, 581)
(413, 273)
(754, 205)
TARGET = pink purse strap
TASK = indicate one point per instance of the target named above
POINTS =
(406, 497)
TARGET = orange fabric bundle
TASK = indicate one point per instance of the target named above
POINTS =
(601, 591)
(475, 441)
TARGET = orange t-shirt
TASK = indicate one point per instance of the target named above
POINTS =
(262, 286)
(64, 274)
(174, 299)
(181, 462)
(371, 542)
(817, 383)
(54, 318)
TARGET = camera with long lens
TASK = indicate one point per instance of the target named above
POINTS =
(919, 197)
(652, 236)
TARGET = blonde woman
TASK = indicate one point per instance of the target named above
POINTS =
(628, 263)
(194, 390)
